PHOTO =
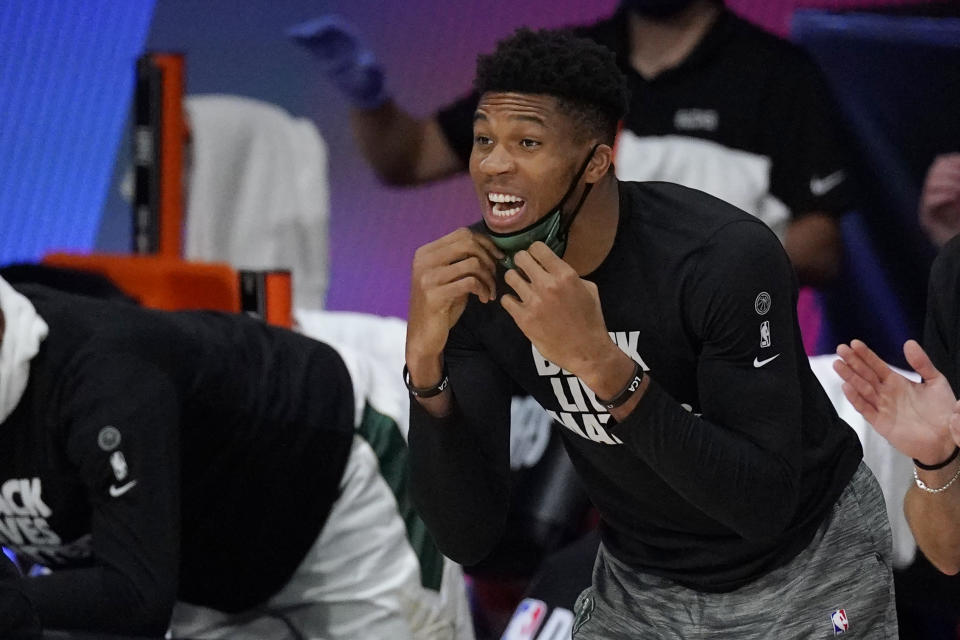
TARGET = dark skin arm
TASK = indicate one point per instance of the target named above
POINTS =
(402, 149)
(815, 247)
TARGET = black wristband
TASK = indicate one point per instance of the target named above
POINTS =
(425, 392)
(941, 465)
(627, 391)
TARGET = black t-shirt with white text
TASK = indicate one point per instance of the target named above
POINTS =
(734, 455)
(157, 456)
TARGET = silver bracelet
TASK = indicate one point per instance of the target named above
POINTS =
(922, 485)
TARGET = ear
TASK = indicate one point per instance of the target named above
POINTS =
(600, 163)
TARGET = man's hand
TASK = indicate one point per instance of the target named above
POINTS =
(560, 313)
(940, 199)
(913, 417)
(445, 273)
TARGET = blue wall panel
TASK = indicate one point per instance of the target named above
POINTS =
(66, 80)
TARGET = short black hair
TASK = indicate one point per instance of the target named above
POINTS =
(582, 75)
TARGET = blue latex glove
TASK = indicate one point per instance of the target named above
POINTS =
(345, 59)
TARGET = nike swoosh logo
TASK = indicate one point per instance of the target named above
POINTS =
(759, 363)
(116, 492)
(820, 186)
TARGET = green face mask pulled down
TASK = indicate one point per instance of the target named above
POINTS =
(551, 229)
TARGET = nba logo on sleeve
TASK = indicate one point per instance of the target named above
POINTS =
(526, 620)
(840, 622)
(765, 334)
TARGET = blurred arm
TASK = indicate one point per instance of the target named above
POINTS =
(403, 150)
(815, 247)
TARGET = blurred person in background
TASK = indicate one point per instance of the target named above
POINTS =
(921, 419)
(716, 104)
(939, 211)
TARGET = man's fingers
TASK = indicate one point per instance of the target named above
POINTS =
(844, 370)
(871, 360)
(457, 235)
(484, 259)
(857, 365)
(864, 408)
(531, 268)
(457, 289)
(459, 244)
(866, 389)
(919, 360)
(471, 267)
(488, 253)
(512, 305)
(440, 251)
(487, 244)
(485, 278)
(546, 257)
(473, 242)
(539, 261)
(519, 284)
(455, 256)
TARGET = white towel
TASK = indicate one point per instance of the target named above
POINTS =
(23, 332)
(258, 192)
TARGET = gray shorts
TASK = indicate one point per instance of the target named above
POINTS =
(841, 584)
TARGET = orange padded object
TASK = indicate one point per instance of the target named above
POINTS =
(279, 299)
(161, 282)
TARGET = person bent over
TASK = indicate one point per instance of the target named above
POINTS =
(205, 473)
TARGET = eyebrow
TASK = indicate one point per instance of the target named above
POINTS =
(535, 119)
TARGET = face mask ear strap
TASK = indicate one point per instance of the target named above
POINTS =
(576, 179)
(565, 226)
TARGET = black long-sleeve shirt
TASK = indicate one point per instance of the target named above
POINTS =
(941, 339)
(734, 455)
(18, 619)
(161, 456)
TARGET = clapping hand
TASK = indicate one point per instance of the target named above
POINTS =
(920, 419)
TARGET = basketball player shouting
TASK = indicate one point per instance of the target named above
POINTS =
(656, 324)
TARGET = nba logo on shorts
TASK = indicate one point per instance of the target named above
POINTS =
(840, 622)
(526, 620)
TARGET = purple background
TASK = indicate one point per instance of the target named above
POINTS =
(428, 48)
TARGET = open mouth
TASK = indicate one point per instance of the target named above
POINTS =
(504, 206)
